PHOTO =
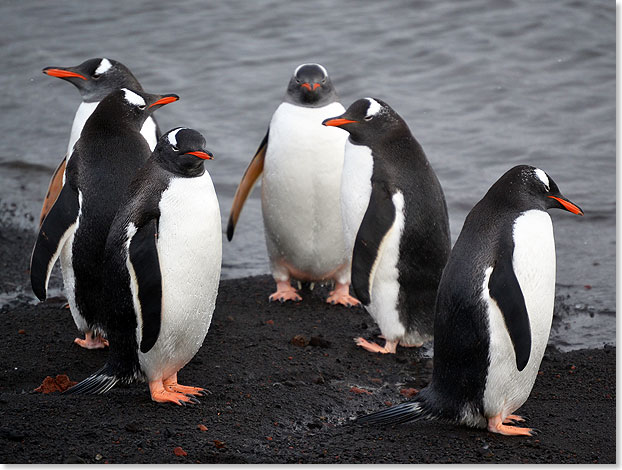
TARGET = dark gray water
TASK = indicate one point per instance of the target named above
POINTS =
(484, 85)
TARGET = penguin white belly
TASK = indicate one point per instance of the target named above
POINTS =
(190, 255)
(301, 192)
(385, 287)
(507, 388)
(82, 114)
(358, 166)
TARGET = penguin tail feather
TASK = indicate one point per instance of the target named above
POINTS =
(100, 382)
(414, 410)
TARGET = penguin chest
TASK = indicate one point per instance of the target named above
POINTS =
(82, 114)
(358, 166)
(533, 262)
(190, 253)
(385, 286)
(301, 188)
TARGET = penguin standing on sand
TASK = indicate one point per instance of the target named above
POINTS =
(494, 309)
(395, 221)
(94, 79)
(161, 271)
(301, 163)
(104, 160)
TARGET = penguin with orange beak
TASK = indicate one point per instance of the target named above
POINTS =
(107, 156)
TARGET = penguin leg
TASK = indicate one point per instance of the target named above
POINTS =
(406, 345)
(284, 292)
(341, 295)
(389, 346)
(171, 385)
(495, 424)
(162, 395)
(92, 341)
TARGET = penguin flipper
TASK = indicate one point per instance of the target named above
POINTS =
(143, 256)
(252, 173)
(54, 188)
(100, 382)
(505, 290)
(377, 221)
(57, 227)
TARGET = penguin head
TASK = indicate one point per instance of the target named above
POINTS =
(131, 107)
(182, 151)
(369, 119)
(533, 188)
(96, 78)
(310, 86)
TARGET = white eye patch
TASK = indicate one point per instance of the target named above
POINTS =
(374, 107)
(542, 177)
(172, 136)
(133, 98)
(104, 66)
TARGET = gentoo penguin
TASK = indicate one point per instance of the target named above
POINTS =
(395, 223)
(162, 267)
(94, 79)
(104, 160)
(301, 163)
(494, 309)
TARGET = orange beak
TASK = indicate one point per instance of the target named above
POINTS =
(165, 100)
(203, 155)
(308, 86)
(569, 206)
(60, 73)
(336, 122)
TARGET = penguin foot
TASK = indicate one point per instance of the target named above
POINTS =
(415, 345)
(284, 292)
(185, 389)
(389, 347)
(161, 395)
(91, 341)
(510, 419)
(341, 295)
(496, 425)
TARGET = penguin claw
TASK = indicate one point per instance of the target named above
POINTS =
(194, 400)
(534, 431)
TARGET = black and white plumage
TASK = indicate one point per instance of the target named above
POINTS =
(301, 162)
(494, 309)
(161, 271)
(95, 79)
(104, 160)
(395, 223)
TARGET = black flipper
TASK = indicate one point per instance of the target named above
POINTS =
(378, 220)
(57, 227)
(505, 289)
(143, 255)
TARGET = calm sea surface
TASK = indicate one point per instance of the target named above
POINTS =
(484, 85)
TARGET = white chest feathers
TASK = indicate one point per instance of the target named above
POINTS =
(358, 166)
(190, 255)
(301, 189)
(534, 266)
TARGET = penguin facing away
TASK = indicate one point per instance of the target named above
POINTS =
(395, 223)
(162, 267)
(494, 309)
(301, 162)
(94, 79)
(104, 160)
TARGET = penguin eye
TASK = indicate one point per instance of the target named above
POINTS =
(368, 118)
(324, 80)
(297, 80)
(174, 147)
(96, 75)
(142, 106)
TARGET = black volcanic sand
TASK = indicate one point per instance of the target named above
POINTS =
(272, 400)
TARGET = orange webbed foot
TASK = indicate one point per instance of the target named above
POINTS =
(92, 342)
(171, 385)
(496, 425)
(160, 394)
(510, 419)
(389, 347)
(341, 295)
(285, 292)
